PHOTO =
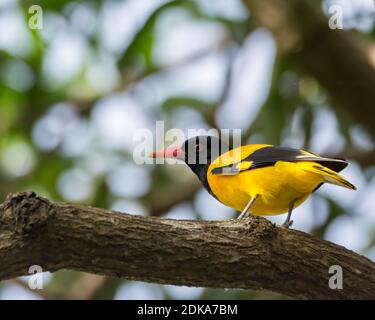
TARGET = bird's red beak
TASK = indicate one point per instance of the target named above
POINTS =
(175, 152)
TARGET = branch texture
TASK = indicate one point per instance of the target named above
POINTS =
(249, 254)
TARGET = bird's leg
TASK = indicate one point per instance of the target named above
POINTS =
(287, 223)
(246, 212)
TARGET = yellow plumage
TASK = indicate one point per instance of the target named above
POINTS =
(276, 185)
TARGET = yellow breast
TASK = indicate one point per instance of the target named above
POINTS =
(276, 186)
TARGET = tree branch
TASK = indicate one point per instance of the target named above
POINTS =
(248, 254)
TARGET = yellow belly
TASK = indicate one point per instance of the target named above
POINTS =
(276, 186)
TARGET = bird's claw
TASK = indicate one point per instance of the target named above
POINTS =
(287, 224)
(245, 215)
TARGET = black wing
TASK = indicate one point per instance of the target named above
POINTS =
(268, 156)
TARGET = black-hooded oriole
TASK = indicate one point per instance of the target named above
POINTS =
(257, 179)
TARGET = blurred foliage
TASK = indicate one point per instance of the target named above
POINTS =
(73, 94)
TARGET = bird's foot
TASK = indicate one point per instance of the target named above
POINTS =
(287, 224)
(245, 215)
(242, 214)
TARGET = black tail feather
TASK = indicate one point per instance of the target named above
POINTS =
(335, 164)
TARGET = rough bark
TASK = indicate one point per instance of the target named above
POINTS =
(249, 254)
(341, 61)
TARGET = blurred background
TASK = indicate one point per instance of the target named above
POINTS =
(73, 94)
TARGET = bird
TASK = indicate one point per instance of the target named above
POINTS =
(257, 179)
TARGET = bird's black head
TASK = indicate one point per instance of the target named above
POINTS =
(197, 152)
(200, 151)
